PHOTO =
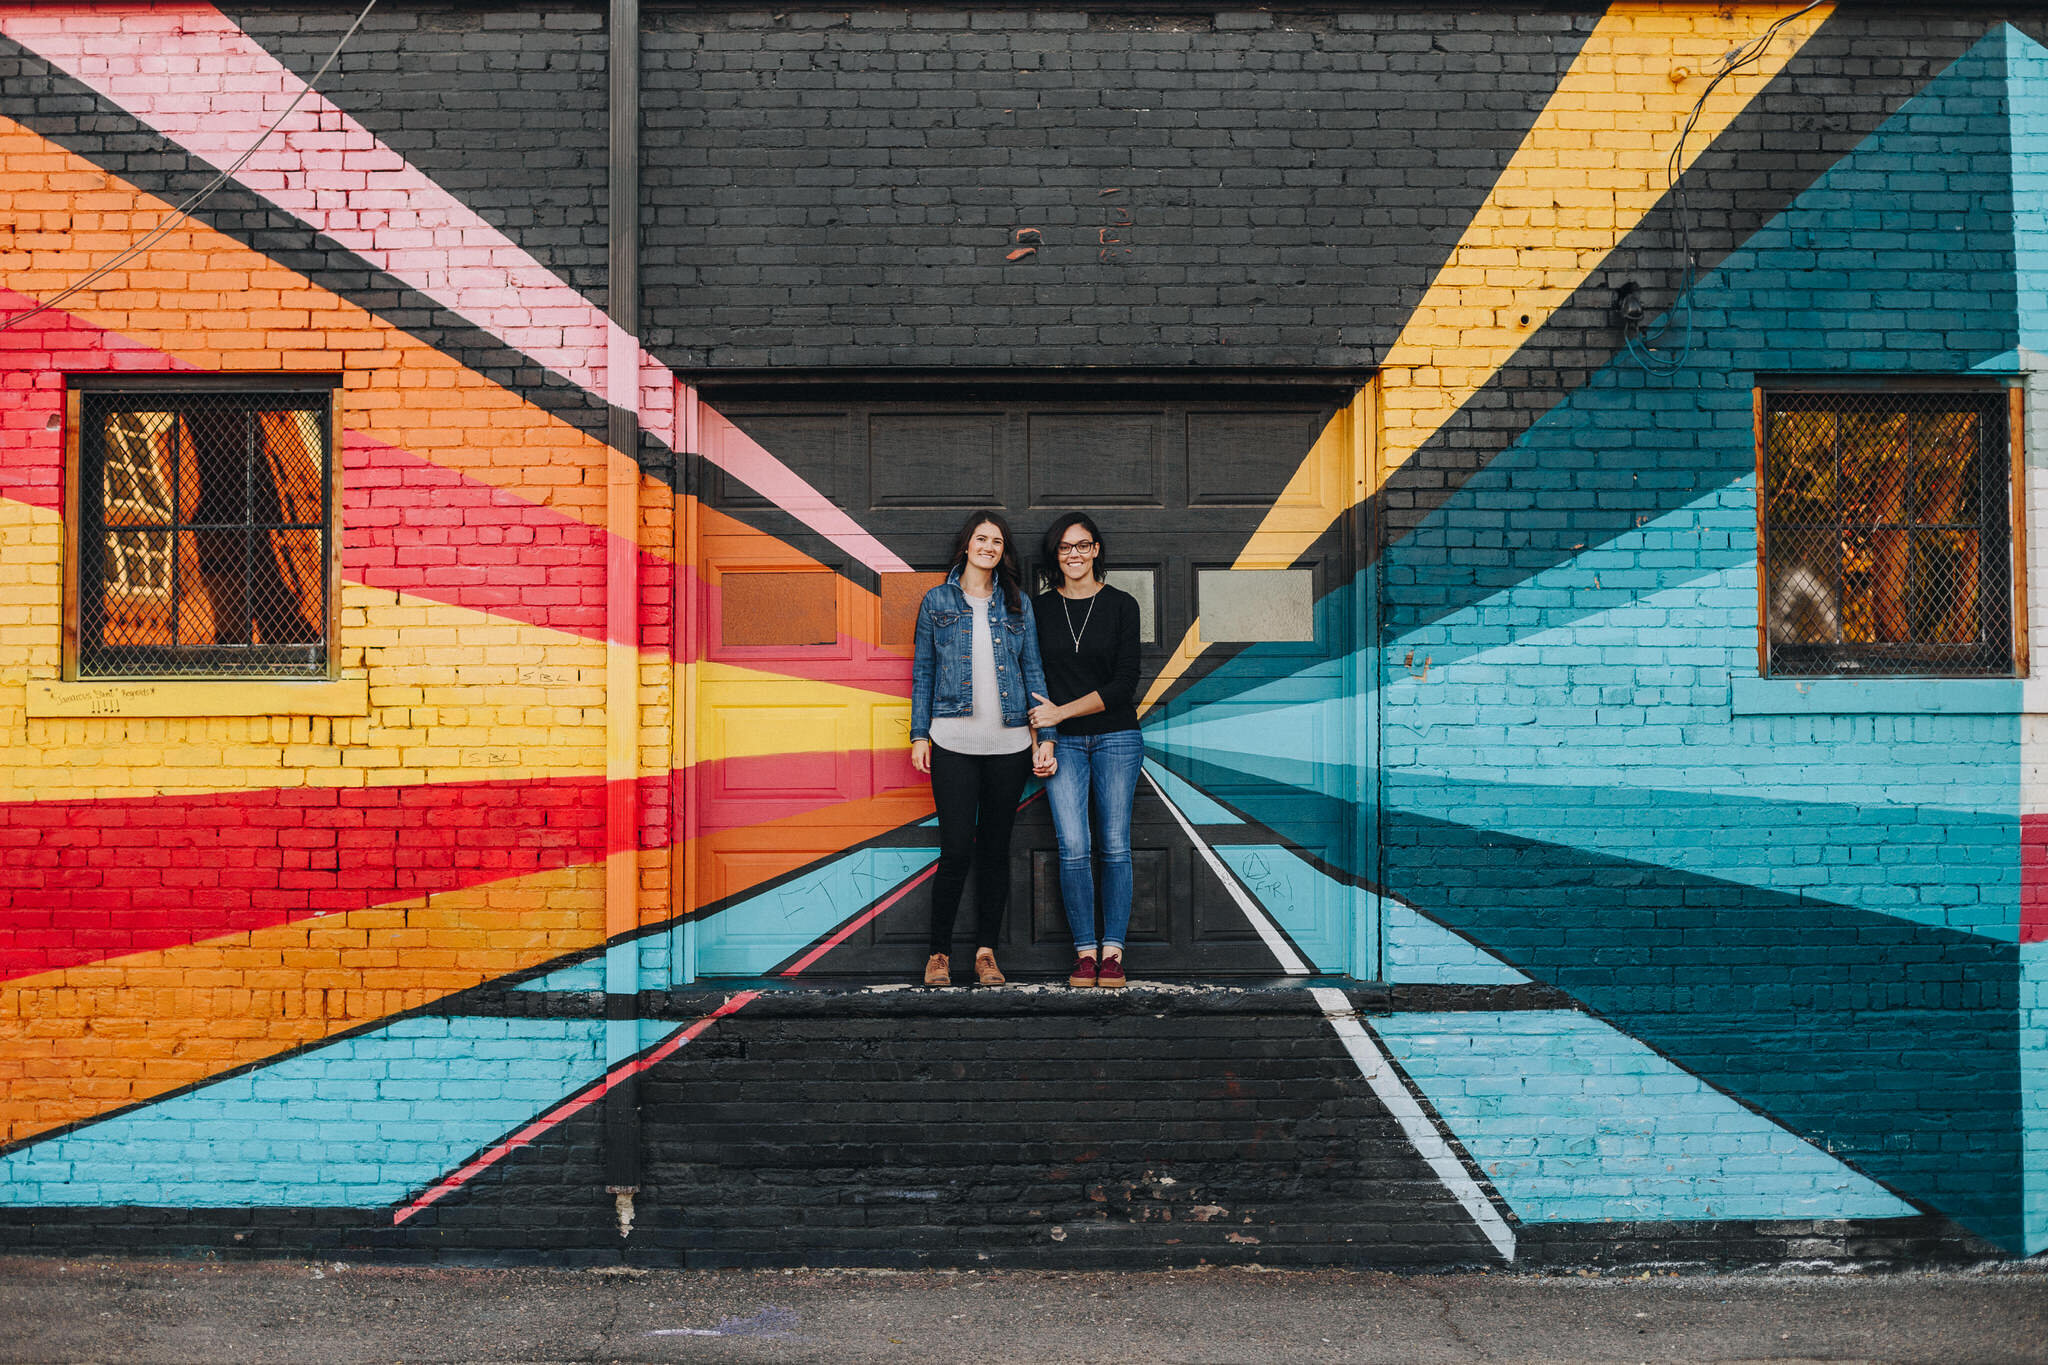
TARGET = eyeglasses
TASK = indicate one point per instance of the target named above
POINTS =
(1076, 547)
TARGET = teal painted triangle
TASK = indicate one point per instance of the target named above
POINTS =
(1900, 258)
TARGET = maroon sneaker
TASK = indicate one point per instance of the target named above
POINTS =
(1083, 973)
(1110, 973)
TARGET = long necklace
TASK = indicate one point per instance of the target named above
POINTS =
(1068, 612)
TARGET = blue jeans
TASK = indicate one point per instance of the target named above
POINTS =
(1098, 770)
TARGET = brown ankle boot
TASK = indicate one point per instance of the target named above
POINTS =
(985, 970)
(938, 971)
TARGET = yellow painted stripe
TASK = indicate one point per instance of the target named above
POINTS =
(746, 713)
(455, 696)
(1589, 170)
(248, 697)
(82, 1041)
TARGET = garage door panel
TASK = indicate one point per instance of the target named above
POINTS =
(952, 459)
(1096, 459)
(1177, 484)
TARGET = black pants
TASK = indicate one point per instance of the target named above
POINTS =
(977, 799)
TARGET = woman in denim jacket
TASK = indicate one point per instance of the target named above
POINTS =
(971, 681)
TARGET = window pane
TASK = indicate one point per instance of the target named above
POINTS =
(291, 446)
(203, 534)
(1874, 468)
(218, 577)
(1802, 587)
(220, 465)
(136, 597)
(1945, 469)
(137, 477)
(1244, 606)
(1801, 467)
(290, 588)
(1141, 584)
(1944, 586)
(1874, 585)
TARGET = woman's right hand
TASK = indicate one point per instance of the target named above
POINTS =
(1045, 715)
(921, 756)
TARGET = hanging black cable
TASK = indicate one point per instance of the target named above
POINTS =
(200, 196)
(1641, 339)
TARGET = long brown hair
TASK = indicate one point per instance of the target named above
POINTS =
(1008, 574)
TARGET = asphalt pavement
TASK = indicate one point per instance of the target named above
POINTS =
(88, 1311)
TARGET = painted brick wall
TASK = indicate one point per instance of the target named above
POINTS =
(1677, 962)
(844, 188)
(195, 892)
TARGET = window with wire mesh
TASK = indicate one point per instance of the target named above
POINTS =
(1886, 533)
(203, 534)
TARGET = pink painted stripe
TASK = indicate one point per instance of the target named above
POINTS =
(193, 75)
(732, 450)
(859, 922)
(568, 1108)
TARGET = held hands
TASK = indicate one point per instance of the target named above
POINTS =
(1045, 715)
(921, 756)
(1043, 761)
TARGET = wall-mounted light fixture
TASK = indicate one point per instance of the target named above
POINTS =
(1628, 305)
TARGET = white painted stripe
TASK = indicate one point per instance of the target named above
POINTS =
(1420, 1131)
(1290, 961)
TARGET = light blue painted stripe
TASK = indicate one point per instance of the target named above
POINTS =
(359, 1123)
(587, 975)
(621, 977)
(2026, 76)
(1421, 951)
(1761, 842)
(1689, 546)
(753, 936)
(1692, 715)
(1877, 696)
(1290, 746)
(1198, 808)
(1575, 1122)
(1309, 907)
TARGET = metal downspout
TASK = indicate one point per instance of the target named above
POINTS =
(622, 611)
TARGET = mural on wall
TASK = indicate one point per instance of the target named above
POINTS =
(237, 947)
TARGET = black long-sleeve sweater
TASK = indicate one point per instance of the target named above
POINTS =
(1106, 661)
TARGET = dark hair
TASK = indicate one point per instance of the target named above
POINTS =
(1051, 547)
(1008, 575)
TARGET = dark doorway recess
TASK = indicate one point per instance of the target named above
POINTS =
(1178, 471)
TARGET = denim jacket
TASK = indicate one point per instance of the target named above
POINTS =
(942, 670)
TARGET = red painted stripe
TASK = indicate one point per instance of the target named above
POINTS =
(35, 359)
(419, 528)
(860, 921)
(568, 1108)
(408, 525)
(81, 881)
(735, 793)
(2034, 878)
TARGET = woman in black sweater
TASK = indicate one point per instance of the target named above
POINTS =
(1088, 641)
